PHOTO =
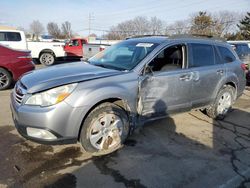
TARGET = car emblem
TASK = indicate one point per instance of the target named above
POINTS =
(19, 91)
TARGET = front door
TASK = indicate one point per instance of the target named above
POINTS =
(166, 84)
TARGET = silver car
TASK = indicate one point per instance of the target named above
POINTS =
(99, 102)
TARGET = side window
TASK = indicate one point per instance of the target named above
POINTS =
(168, 59)
(74, 43)
(2, 36)
(10, 36)
(13, 36)
(245, 48)
(202, 55)
(226, 54)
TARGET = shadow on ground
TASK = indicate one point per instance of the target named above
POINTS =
(187, 150)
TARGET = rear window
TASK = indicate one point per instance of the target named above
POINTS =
(226, 55)
(202, 55)
(10, 36)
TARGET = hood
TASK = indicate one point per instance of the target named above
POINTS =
(58, 75)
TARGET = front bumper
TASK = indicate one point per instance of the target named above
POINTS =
(61, 120)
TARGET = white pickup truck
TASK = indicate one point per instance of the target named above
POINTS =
(45, 52)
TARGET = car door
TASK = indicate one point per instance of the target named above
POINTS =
(207, 70)
(74, 48)
(165, 85)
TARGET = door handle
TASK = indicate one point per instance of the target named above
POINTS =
(220, 72)
(185, 77)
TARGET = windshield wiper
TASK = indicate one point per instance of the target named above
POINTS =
(109, 66)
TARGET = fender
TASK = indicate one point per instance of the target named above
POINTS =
(231, 79)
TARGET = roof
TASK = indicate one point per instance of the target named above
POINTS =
(147, 39)
(179, 38)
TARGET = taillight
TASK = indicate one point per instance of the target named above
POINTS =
(101, 48)
(25, 57)
(243, 66)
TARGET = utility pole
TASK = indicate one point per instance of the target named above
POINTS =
(91, 18)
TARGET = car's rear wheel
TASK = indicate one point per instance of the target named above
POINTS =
(223, 103)
(5, 79)
(105, 129)
(47, 59)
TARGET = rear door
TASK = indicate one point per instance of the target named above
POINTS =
(208, 71)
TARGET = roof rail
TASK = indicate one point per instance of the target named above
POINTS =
(140, 36)
(197, 36)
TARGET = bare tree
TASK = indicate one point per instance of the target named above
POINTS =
(137, 26)
(156, 26)
(225, 22)
(178, 27)
(54, 30)
(36, 29)
(66, 29)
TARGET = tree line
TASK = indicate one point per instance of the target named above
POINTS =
(224, 24)
(65, 32)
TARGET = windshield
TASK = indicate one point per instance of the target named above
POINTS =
(123, 56)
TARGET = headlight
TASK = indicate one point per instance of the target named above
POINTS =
(52, 96)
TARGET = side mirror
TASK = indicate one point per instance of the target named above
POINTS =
(148, 70)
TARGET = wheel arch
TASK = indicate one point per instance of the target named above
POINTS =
(115, 100)
(232, 81)
(46, 51)
(5, 68)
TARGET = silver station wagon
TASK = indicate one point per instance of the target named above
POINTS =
(99, 102)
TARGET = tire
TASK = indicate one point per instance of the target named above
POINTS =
(105, 129)
(5, 79)
(222, 104)
(47, 58)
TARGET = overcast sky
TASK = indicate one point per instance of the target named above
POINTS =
(105, 13)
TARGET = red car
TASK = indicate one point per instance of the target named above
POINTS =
(13, 64)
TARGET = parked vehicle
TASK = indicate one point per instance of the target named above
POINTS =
(74, 47)
(14, 39)
(13, 64)
(45, 52)
(243, 51)
(89, 50)
(81, 48)
(137, 80)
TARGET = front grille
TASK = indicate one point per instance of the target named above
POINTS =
(19, 93)
(18, 97)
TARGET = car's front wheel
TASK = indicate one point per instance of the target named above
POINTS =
(105, 129)
(222, 103)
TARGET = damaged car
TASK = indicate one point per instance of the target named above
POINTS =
(99, 102)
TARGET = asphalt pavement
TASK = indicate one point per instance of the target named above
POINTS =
(184, 150)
